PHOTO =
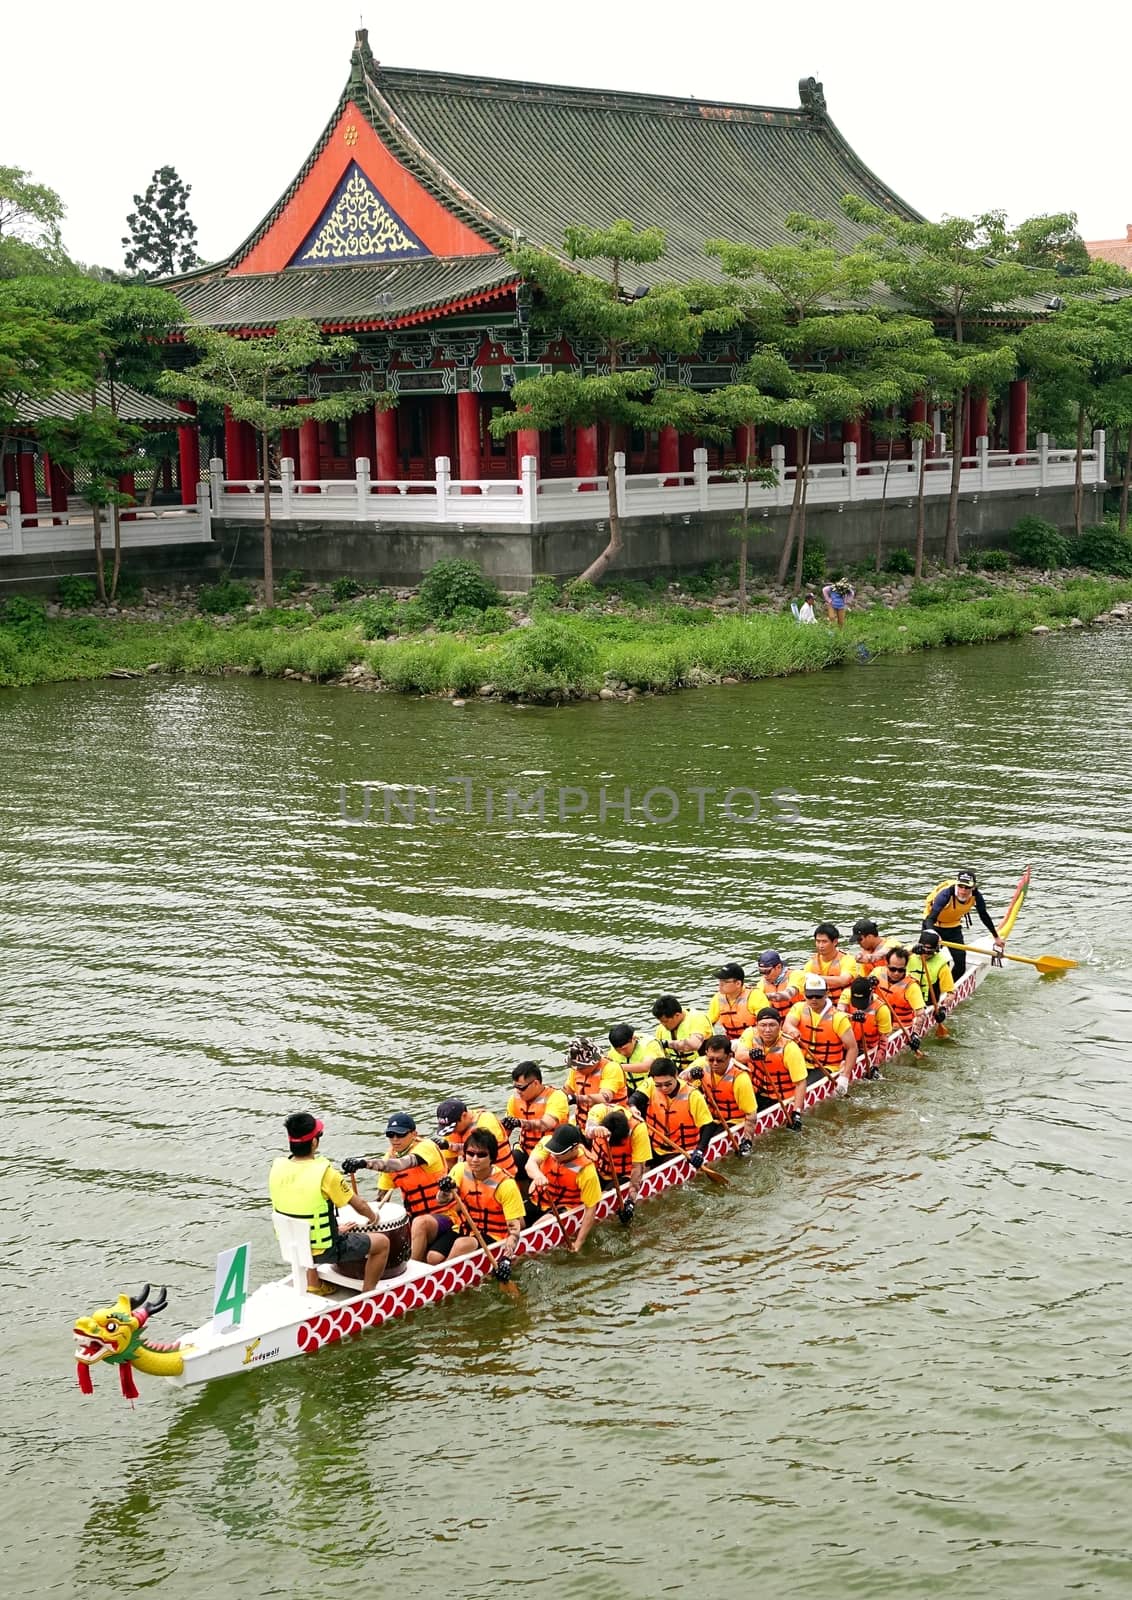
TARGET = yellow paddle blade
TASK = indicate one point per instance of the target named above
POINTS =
(1042, 963)
(1054, 964)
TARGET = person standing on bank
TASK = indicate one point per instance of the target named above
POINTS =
(308, 1185)
(945, 909)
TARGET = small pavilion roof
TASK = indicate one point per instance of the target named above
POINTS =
(130, 404)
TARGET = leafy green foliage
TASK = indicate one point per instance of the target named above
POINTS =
(547, 657)
(992, 560)
(31, 217)
(162, 237)
(25, 616)
(292, 581)
(454, 584)
(222, 598)
(813, 562)
(1103, 549)
(76, 593)
(1037, 543)
(345, 588)
(900, 561)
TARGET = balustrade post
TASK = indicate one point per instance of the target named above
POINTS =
(1099, 447)
(528, 473)
(216, 482)
(1043, 459)
(361, 485)
(443, 479)
(287, 486)
(849, 452)
(778, 462)
(982, 451)
(619, 481)
(917, 458)
(16, 521)
(204, 510)
(700, 476)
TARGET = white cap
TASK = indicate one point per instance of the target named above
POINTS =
(816, 984)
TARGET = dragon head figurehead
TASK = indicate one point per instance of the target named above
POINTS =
(115, 1334)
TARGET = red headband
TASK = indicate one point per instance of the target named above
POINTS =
(306, 1138)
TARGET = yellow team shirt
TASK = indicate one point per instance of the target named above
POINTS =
(556, 1106)
(507, 1193)
(715, 1005)
(640, 1145)
(741, 1087)
(486, 1122)
(838, 1019)
(612, 1080)
(430, 1155)
(589, 1184)
(846, 967)
(943, 981)
(337, 1187)
(792, 1058)
(694, 1022)
(882, 1016)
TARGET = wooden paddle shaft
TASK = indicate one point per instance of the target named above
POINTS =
(1043, 963)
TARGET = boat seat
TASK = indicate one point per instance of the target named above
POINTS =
(294, 1236)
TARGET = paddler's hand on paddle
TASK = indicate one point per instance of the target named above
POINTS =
(695, 1074)
(745, 1146)
(940, 1013)
(354, 1164)
(842, 1083)
(695, 1159)
(626, 1213)
(446, 1186)
(794, 1120)
(511, 1123)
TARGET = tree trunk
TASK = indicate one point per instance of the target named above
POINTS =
(958, 423)
(805, 473)
(883, 506)
(116, 524)
(919, 568)
(747, 468)
(1125, 483)
(795, 503)
(99, 575)
(268, 556)
(600, 565)
(1079, 473)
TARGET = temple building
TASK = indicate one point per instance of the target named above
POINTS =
(397, 228)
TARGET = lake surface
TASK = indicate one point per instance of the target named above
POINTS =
(892, 1359)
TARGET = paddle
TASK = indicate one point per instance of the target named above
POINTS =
(504, 1283)
(603, 1150)
(557, 1213)
(1042, 963)
(666, 1143)
(733, 1135)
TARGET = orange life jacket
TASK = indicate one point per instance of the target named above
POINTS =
(775, 996)
(895, 997)
(418, 1185)
(457, 1141)
(586, 1085)
(480, 1199)
(533, 1111)
(621, 1155)
(771, 1075)
(723, 1091)
(866, 1033)
(563, 1182)
(821, 1042)
(734, 1015)
(672, 1118)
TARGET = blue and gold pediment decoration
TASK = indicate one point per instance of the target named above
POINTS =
(357, 225)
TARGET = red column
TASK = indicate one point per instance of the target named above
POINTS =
(361, 437)
(59, 490)
(668, 446)
(468, 434)
(527, 442)
(249, 451)
(688, 443)
(289, 445)
(745, 443)
(979, 413)
(126, 485)
(968, 436)
(231, 445)
(188, 454)
(851, 431)
(388, 462)
(1019, 406)
(865, 449)
(309, 459)
(29, 503)
(441, 441)
(11, 477)
(585, 454)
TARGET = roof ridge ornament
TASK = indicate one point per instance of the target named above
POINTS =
(362, 63)
(812, 96)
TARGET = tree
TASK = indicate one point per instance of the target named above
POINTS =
(744, 405)
(31, 217)
(629, 329)
(39, 354)
(950, 272)
(101, 447)
(261, 381)
(162, 237)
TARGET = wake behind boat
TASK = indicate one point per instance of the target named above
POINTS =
(283, 1319)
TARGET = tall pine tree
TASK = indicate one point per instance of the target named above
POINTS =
(162, 237)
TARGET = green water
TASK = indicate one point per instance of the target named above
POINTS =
(892, 1359)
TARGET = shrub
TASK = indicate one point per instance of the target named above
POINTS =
(993, 560)
(547, 657)
(545, 593)
(345, 589)
(1037, 543)
(900, 561)
(813, 561)
(1103, 549)
(86, 631)
(452, 584)
(25, 615)
(291, 582)
(376, 618)
(218, 599)
(76, 593)
(578, 595)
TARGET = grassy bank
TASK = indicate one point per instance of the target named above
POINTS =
(541, 647)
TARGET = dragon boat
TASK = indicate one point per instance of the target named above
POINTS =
(281, 1320)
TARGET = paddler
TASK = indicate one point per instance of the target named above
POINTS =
(414, 1167)
(591, 1080)
(777, 986)
(491, 1196)
(829, 961)
(728, 1009)
(726, 1086)
(306, 1184)
(454, 1122)
(946, 907)
(561, 1168)
(678, 1032)
(930, 966)
(623, 1150)
(633, 1055)
(872, 947)
(534, 1108)
(902, 995)
(869, 1016)
(778, 1068)
(678, 1114)
(824, 1033)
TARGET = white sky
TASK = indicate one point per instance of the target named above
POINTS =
(958, 107)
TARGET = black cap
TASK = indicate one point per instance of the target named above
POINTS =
(564, 1138)
(731, 969)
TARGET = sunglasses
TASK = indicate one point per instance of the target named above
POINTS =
(897, 969)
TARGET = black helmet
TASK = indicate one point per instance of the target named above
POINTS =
(930, 938)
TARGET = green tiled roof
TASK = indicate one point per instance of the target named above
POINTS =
(332, 295)
(131, 406)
